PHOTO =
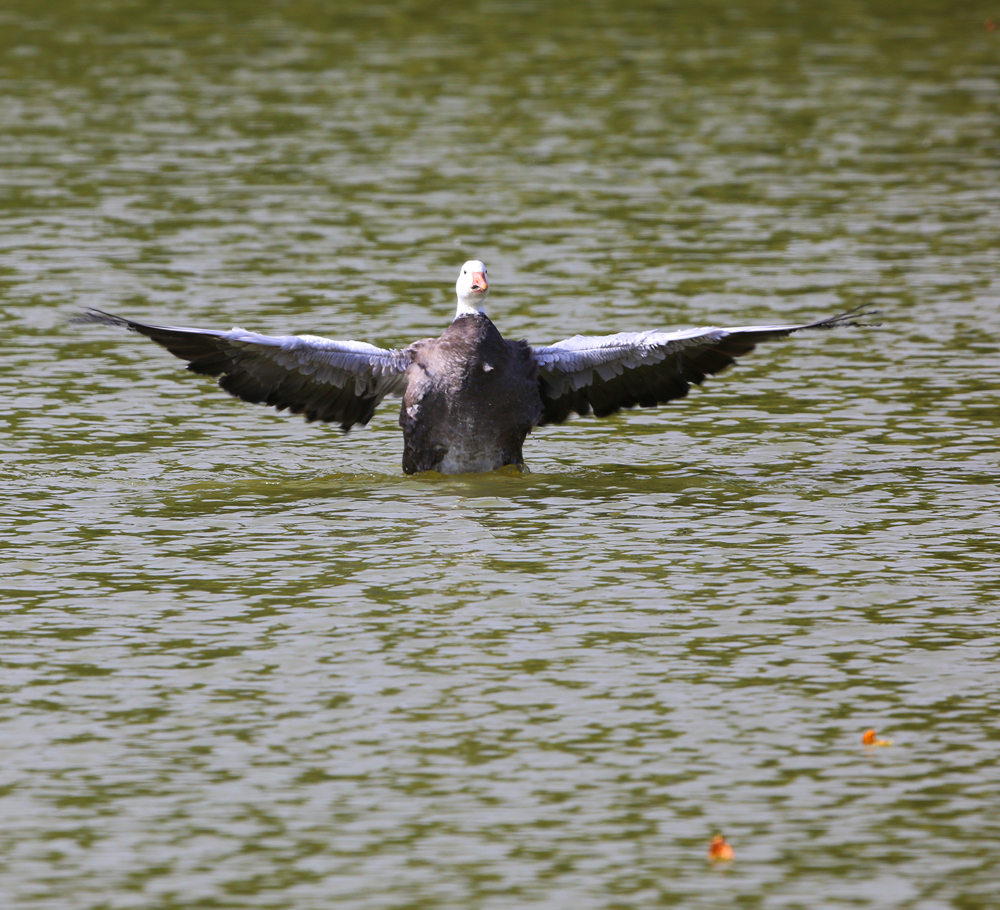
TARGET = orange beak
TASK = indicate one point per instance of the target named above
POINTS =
(479, 282)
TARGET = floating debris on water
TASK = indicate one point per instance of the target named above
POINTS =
(870, 738)
(719, 851)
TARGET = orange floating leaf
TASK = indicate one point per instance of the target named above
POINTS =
(871, 739)
(719, 851)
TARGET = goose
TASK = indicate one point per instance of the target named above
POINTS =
(470, 397)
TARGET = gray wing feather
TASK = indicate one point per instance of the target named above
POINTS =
(324, 379)
(606, 373)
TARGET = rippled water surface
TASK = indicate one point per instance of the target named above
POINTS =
(246, 662)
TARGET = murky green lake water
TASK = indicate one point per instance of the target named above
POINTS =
(246, 662)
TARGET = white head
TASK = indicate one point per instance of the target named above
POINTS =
(472, 288)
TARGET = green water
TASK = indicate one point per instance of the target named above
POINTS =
(246, 663)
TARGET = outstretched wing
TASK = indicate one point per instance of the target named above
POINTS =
(606, 373)
(324, 379)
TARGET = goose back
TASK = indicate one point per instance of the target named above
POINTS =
(471, 398)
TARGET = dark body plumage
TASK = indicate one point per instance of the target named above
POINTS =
(471, 398)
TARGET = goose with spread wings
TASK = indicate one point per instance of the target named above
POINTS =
(470, 397)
